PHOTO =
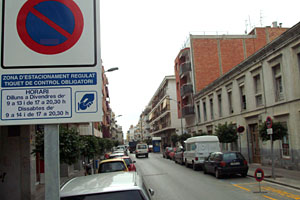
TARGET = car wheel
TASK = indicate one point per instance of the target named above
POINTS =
(195, 168)
(186, 163)
(146, 155)
(136, 156)
(244, 174)
(217, 174)
(204, 170)
(181, 161)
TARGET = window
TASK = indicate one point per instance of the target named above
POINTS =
(229, 93)
(278, 83)
(243, 97)
(285, 143)
(204, 110)
(198, 112)
(211, 102)
(220, 104)
(258, 90)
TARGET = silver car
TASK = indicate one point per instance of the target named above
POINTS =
(107, 186)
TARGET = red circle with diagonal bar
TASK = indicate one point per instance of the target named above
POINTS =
(72, 38)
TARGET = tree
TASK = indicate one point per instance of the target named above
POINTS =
(279, 131)
(89, 146)
(183, 138)
(69, 145)
(226, 133)
(174, 139)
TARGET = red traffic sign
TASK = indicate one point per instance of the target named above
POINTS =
(269, 122)
(50, 26)
(240, 129)
(259, 174)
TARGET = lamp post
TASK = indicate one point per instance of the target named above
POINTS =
(180, 113)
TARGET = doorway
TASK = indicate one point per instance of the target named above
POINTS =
(254, 140)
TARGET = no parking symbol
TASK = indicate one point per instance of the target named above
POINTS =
(50, 26)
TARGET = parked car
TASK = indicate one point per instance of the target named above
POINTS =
(116, 155)
(227, 163)
(150, 148)
(130, 163)
(115, 185)
(178, 157)
(112, 165)
(172, 153)
(132, 146)
(141, 149)
(167, 152)
(198, 148)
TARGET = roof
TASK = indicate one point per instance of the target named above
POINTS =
(205, 138)
(99, 183)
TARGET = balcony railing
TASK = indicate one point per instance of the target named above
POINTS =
(185, 67)
(186, 89)
(188, 110)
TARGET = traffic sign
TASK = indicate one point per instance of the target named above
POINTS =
(259, 174)
(43, 34)
(48, 26)
(240, 129)
(269, 122)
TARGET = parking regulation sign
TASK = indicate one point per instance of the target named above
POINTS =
(38, 36)
(48, 26)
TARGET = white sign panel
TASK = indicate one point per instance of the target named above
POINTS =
(50, 62)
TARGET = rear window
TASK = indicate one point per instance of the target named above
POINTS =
(127, 161)
(120, 195)
(232, 156)
(111, 167)
(142, 147)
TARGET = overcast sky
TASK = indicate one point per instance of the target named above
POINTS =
(142, 38)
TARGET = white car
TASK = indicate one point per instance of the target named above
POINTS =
(141, 150)
(114, 185)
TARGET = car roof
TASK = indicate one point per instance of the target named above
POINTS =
(204, 138)
(111, 160)
(100, 183)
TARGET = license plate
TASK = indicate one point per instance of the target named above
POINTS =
(235, 163)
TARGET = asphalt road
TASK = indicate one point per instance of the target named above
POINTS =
(172, 181)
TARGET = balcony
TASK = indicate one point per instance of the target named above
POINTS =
(188, 110)
(185, 67)
(186, 89)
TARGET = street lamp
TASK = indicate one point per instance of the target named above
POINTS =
(180, 112)
(112, 69)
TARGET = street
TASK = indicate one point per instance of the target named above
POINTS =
(172, 181)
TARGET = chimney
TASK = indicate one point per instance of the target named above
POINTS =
(275, 24)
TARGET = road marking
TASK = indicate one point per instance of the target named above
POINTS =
(282, 193)
(269, 197)
(236, 185)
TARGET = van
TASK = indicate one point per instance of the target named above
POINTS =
(141, 150)
(198, 148)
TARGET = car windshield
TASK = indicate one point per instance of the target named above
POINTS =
(120, 195)
(127, 161)
(111, 167)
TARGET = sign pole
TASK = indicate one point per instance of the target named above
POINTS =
(272, 154)
(270, 132)
(52, 171)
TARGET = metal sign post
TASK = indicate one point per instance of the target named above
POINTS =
(240, 129)
(259, 176)
(270, 132)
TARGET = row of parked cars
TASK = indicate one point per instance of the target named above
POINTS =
(116, 179)
(203, 152)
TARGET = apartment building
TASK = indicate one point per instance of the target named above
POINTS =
(106, 110)
(162, 112)
(267, 83)
(208, 57)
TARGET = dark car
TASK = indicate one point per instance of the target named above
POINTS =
(167, 152)
(227, 163)
(178, 156)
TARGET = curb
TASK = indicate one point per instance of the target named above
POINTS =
(279, 183)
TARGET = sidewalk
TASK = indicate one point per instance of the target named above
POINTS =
(40, 189)
(290, 178)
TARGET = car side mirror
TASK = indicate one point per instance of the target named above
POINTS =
(133, 161)
(151, 191)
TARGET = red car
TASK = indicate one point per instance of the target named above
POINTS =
(167, 152)
(129, 163)
(172, 154)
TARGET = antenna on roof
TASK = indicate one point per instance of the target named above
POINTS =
(246, 24)
(261, 18)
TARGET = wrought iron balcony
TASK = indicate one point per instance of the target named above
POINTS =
(185, 67)
(188, 110)
(186, 89)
